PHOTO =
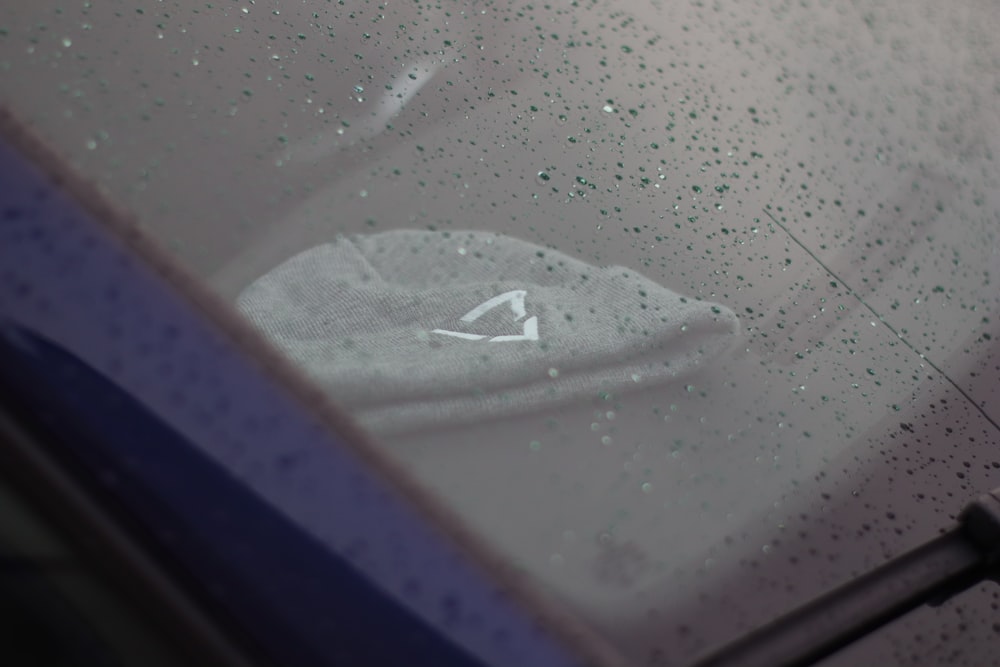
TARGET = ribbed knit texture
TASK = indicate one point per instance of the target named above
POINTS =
(411, 329)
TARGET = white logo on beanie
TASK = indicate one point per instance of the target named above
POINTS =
(516, 300)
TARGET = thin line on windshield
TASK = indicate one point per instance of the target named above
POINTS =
(852, 292)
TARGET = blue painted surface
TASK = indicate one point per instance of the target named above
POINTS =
(295, 535)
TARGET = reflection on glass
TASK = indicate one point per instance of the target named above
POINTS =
(646, 292)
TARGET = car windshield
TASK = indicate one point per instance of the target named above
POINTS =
(686, 308)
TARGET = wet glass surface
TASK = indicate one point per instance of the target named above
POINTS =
(823, 173)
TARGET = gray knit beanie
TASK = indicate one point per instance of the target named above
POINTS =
(411, 329)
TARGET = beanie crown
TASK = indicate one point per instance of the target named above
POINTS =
(410, 329)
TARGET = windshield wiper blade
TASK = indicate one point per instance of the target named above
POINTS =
(929, 574)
